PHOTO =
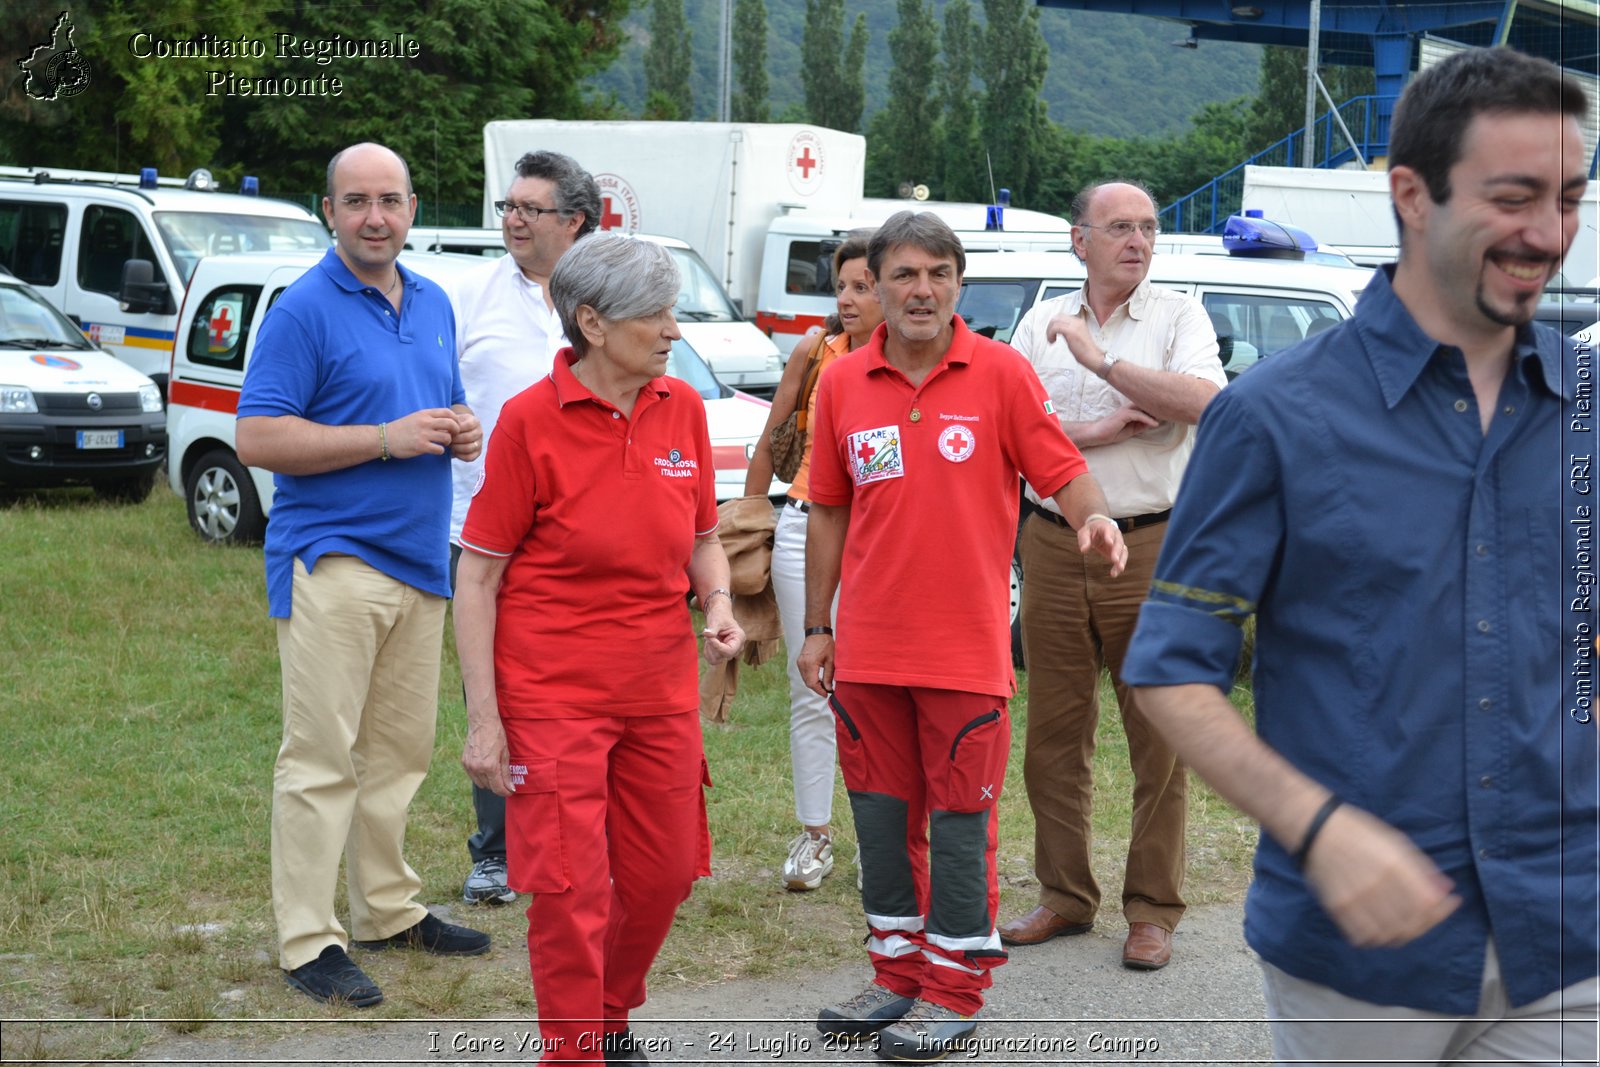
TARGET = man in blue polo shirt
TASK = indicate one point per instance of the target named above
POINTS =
(354, 399)
(1403, 528)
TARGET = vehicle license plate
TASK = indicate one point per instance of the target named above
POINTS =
(99, 438)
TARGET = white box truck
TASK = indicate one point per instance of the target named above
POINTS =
(714, 185)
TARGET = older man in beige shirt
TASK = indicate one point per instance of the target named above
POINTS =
(1129, 367)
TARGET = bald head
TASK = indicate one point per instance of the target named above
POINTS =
(359, 150)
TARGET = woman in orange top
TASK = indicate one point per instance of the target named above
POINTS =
(811, 739)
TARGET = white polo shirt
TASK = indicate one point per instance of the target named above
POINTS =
(506, 339)
(1156, 328)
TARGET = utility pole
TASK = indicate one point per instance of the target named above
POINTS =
(1313, 44)
(725, 64)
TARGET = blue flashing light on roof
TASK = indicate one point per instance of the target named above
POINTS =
(1251, 235)
(147, 177)
(250, 185)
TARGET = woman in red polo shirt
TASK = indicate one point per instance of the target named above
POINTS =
(811, 738)
(595, 515)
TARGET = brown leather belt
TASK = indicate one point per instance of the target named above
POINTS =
(1127, 525)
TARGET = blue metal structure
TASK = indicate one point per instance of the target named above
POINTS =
(1382, 34)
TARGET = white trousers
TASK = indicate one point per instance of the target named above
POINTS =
(811, 740)
(1311, 1024)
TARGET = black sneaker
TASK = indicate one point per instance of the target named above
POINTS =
(334, 978)
(622, 1047)
(432, 935)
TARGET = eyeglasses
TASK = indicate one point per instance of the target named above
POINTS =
(529, 213)
(1122, 229)
(389, 202)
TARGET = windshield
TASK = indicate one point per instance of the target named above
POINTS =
(700, 298)
(25, 317)
(685, 363)
(992, 309)
(191, 235)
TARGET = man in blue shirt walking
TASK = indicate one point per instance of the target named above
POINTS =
(353, 399)
(1404, 529)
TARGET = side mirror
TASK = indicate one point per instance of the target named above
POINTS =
(141, 293)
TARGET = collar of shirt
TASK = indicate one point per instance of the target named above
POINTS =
(570, 390)
(335, 268)
(962, 342)
(1077, 302)
(1399, 350)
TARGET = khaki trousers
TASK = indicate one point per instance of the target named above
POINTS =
(1076, 620)
(1312, 1024)
(360, 662)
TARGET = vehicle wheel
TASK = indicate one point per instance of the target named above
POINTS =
(223, 506)
(125, 490)
(1016, 615)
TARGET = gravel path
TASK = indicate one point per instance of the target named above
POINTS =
(1067, 1001)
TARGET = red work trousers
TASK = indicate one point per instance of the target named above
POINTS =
(924, 768)
(607, 831)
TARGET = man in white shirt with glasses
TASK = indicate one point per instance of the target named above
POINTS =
(507, 334)
(1128, 367)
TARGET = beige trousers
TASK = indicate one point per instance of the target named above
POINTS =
(360, 662)
(1312, 1024)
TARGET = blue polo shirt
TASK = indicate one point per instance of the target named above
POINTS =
(333, 351)
(1419, 618)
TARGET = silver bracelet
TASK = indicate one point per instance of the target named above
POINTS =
(705, 600)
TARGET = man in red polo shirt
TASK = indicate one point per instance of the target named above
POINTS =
(921, 436)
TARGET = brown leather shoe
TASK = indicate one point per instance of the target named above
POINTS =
(1039, 926)
(1148, 948)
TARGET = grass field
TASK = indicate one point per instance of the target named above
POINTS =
(141, 704)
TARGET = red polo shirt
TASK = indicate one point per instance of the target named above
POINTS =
(929, 473)
(598, 514)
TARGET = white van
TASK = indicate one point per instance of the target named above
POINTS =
(742, 355)
(1258, 306)
(115, 252)
(796, 292)
(228, 296)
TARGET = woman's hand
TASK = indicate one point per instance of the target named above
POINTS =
(486, 757)
(724, 637)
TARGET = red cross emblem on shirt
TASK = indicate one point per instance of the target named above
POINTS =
(866, 452)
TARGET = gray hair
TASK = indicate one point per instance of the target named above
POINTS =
(923, 230)
(333, 164)
(575, 188)
(619, 276)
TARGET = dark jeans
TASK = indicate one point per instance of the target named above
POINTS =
(490, 840)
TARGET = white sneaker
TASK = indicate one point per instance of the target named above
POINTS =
(810, 860)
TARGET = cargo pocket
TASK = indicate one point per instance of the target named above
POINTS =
(703, 864)
(852, 752)
(536, 848)
(977, 765)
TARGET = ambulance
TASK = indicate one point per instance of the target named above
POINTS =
(114, 252)
(228, 297)
(741, 355)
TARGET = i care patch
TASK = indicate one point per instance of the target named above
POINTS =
(876, 455)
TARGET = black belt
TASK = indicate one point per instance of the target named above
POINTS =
(1127, 525)
(801, 506)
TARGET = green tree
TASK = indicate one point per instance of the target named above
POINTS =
(431, 109)
(749, 103)
(1014, 124)
(1279, 107)
(668, 63)
(833, 72)
(904, 146)
(960, 152)
(134, 111)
